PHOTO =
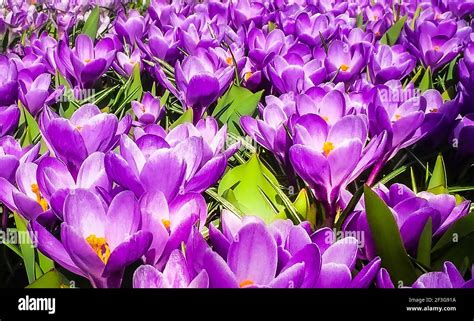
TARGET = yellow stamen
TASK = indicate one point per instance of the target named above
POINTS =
(326, 118)
(87, 60)
(398, 116)
(344, 67)
(436, 48)
(247, 75)
(327, 148)
(166, 223)
(246, 283)
(41, 201)
(100, 246)
(79, 128)
(229, 61)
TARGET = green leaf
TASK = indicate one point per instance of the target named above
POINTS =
(92, 24)
(289, 206)
(388, 241)
(391, 36)
(360, 20)
(427, 80)
(237, 102)
(423, 253)
(45, 263)
(455, 233)
(50, 280)
(247, 182)
(303, 206)
(136, 85)
(27, 247)
(457, 253)
(186, 117)
(438, 183)
(32, 128)
(413, 180)
(415, 16)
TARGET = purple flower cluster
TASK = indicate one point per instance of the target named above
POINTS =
(129, 173)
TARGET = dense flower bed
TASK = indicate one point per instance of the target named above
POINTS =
(237, 143)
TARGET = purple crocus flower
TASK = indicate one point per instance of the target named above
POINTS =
(389, 63)
(163, 45)
(8, 82)
(149, 110)
(450, 277)
(343, 62)
(330, 157)
(27, 199)
(191, 158)
(262, 48)
(309, 29)
(125, 64)
(87, 131)
(436, 43)
(411, 212)
(35, 93)
(244, 268)
(174, 275)
(401, 113)
(97, 241)
(293, 74)
(9, 117)
(55, 181)
(272, 130)
(83, 65)
(131, 27)
(461, 137)
(202, 78)
(171, 222)
(322, 261)
(12, 155)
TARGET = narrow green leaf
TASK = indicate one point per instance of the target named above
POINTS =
(92, 24)
(438, 183)
(415, 16)
(427, 80)
(388, 241)
(237, 102)
(413, 180)
(27, 247)
(45, 263)
(393, 33)
(53, 279)
(455, 233)
(423, 253)
(186, 117)
(32, 128)
(136, 85)
(246, 182)
(226, 201)
(290, 207)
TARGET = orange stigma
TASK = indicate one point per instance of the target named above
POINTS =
(87, 60)
(41, 201)
(229, 61)
(398, 116)
(246, 283)
(344, 67)
(100, 247)
(327, 148)
(434, 110)
(166, 223)
(247, 75)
